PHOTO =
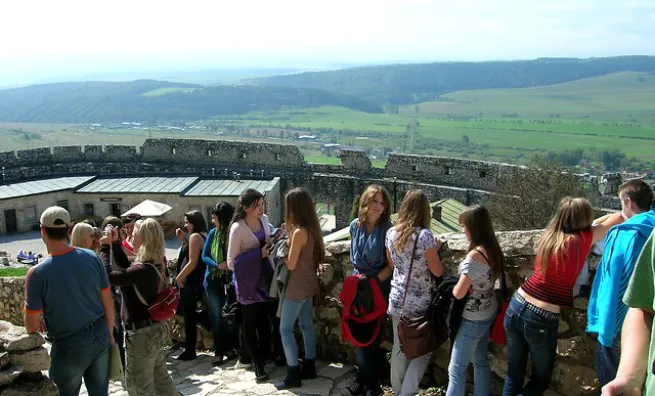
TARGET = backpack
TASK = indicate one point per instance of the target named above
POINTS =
(439, 312)
(165, 304)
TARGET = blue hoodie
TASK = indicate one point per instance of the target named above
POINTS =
(623, 244)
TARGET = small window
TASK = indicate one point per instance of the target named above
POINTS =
(173, 151)
(30, 216)
(89, 209)
(483, 173)
(209, 153)
(243, 155)
(277, 157)
(448, 171)
(414, 168)
(63, 204)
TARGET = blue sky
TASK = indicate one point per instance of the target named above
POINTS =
(68, 37)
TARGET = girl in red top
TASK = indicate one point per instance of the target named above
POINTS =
(532, 319)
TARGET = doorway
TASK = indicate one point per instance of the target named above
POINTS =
(11, 225)
(115, 209)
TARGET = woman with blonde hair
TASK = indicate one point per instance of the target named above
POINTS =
(413, 258)
(83, 236)
(367, 254)
(532, 318)
(140, 283)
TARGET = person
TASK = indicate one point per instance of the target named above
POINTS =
(306, 252)
(70, 291)
(368, 256)
(128, 229)
(247, 255)
(635, 375)
(83, 236)
(606, 311)
(191, 271)
(411, 243)
(477, 276)
(145, 369)
(532, 318)
(217, 275)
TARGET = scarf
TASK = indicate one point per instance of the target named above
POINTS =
(217, 252)
(367, 252)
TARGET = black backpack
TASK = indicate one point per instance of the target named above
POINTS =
(439, 312)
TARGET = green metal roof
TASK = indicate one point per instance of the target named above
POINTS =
(450, 210)
(137, 185)
(43, 186)
(228, 188)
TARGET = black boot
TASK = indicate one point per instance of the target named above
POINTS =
(292, 380)
(187, 355)
(308, 370)
(260, 374)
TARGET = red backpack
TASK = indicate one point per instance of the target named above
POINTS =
(165, 304)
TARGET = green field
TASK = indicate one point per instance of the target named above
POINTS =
(164, 91)
(596, 114)
(8, 272)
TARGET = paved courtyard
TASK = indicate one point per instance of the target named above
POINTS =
(198, 377)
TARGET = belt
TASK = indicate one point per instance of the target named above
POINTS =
(539, 311)
(139, 324)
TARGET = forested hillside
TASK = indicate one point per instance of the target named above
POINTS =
(156, 101)
(413, 83)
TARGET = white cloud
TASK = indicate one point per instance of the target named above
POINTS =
(41, 35)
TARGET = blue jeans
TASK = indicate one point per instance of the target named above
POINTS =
(607, 360)
(216, 299)
(529, 333)
(302, 311)
(471, 345)
(84, 354)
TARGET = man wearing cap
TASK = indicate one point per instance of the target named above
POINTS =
(70, 290)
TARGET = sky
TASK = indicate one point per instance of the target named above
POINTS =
(71, 39)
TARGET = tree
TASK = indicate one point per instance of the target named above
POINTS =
(465, 139)
(528, 197)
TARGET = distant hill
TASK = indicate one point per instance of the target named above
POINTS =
(155, 101)
(622, 97)
(414, 83)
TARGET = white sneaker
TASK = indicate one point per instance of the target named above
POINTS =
(241, 366)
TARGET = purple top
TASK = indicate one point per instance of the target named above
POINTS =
(253, 274)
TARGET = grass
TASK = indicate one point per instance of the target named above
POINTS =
(8, 272)
(164, 91)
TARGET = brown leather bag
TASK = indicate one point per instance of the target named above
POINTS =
(415, 334)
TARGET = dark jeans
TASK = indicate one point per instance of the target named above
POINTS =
(276, 337)
(84, 354)
(257, 331)
(119, 333)
(529, 333)
(607, 360)
(216, 300)
(372, 364)
(190, 294)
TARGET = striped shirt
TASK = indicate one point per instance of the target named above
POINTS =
(555, 285)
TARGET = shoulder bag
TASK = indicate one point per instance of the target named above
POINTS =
(415, 334)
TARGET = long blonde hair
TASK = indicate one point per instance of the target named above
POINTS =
(573, 216)
(152, 247)
(414, 212)
(79, 233)
(367, 198)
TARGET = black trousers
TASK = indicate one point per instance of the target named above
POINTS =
(278, 350)
(190, 294)
(257, 331)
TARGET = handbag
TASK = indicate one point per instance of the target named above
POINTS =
(497, 333)
(166, 301)
(415, 334)
(115, 364)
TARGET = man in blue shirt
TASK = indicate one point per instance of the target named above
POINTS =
(623, 245)
(70, 290)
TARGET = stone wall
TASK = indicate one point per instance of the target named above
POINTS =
(12, 299)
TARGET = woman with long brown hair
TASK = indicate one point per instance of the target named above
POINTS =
(477, 276)
(191, 271)
(410, 244)
(367, 254)
(532, 318)
(306, 252)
